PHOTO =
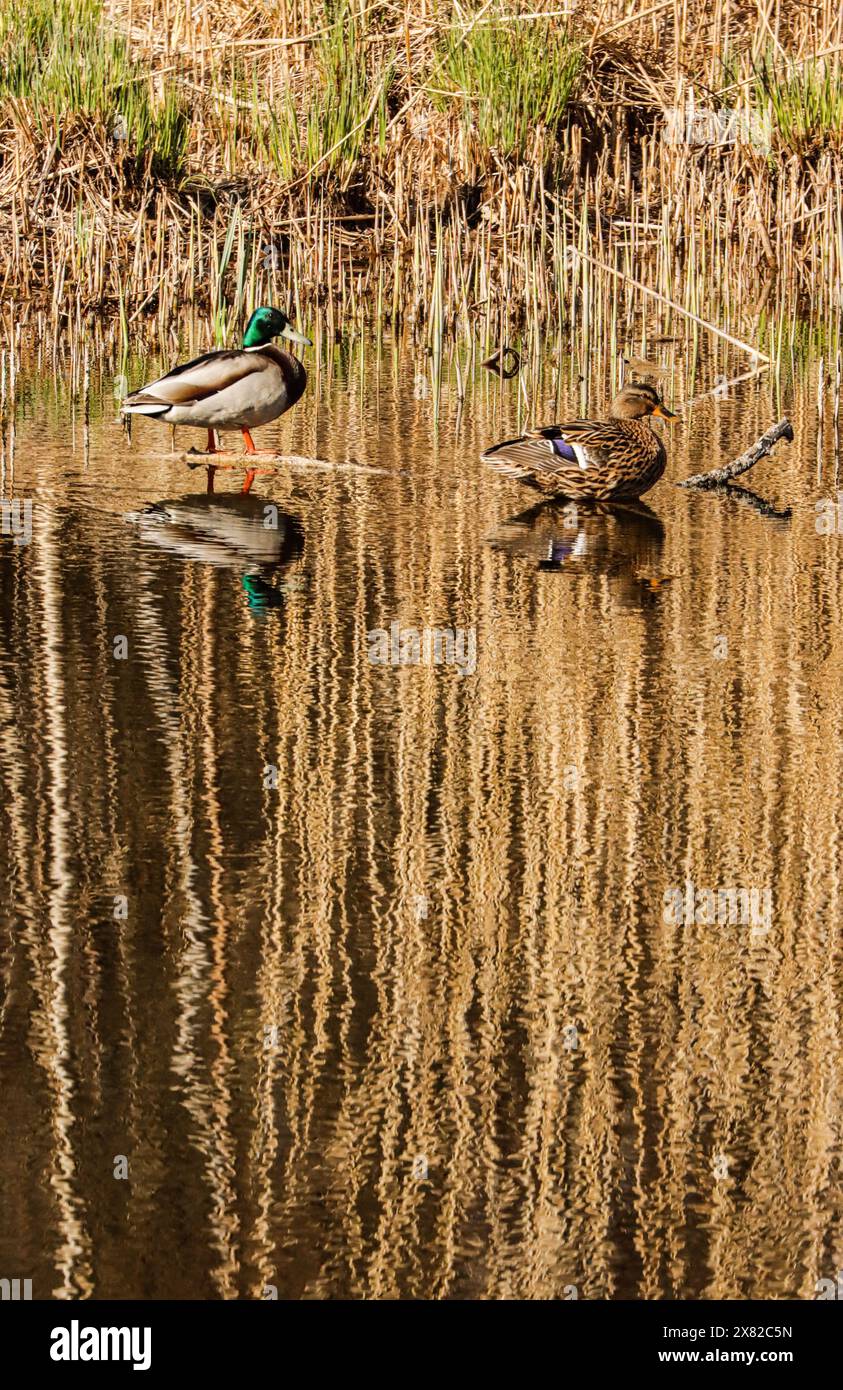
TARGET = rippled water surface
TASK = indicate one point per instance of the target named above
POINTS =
(372, 977)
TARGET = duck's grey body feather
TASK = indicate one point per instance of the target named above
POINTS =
(238, 389)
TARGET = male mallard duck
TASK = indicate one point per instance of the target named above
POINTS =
(237, 389)
(592, 460)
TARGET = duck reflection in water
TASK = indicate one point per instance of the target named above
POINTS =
(237, 531)
(621, 540)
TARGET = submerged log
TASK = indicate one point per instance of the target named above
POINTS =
(718, 476)
(266, 461)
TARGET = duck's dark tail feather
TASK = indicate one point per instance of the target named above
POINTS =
(512, 457)
(142, 404)
(530, 453)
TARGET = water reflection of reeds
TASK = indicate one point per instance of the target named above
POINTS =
(451, 874)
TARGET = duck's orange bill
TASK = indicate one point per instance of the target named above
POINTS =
(663, 412)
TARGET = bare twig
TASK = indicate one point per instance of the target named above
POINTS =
(505, 363)
(761, 447)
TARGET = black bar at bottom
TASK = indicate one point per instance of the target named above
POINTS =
(89, 1339)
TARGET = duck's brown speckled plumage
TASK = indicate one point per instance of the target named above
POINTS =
(621, 457)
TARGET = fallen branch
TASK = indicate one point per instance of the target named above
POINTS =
(266, 462)
(759, 450)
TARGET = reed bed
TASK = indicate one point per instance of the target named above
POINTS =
(429, 167)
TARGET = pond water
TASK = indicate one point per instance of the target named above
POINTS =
(510, 970)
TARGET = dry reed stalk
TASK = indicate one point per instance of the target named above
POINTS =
(687, 227)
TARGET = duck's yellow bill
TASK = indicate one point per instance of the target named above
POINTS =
(663, 412)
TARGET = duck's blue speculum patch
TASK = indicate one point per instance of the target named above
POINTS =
(563, 448)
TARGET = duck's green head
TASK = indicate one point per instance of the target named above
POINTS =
(266, 324)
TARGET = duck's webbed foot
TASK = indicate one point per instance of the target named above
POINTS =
(251, 448)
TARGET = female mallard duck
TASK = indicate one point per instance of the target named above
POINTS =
(239, 389)
(593, 460)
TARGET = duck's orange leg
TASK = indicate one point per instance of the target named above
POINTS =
(211, 472)
(212, 442)
(250, 449)
(249, 445)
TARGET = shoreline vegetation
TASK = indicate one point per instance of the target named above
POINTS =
(507, 169)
